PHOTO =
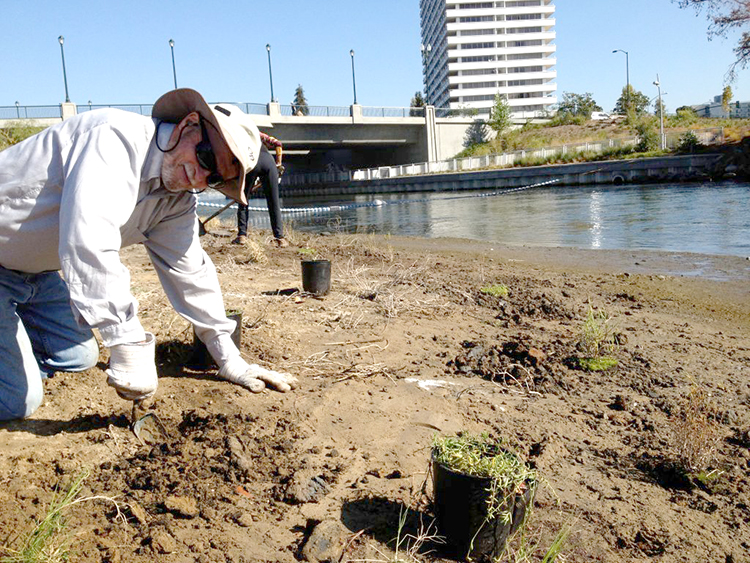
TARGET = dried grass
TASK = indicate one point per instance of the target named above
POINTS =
(695, 433)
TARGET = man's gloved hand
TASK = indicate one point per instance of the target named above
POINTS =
(254, 377)
(132, 369)
(281, 169)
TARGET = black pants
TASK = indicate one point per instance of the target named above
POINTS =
(269, 178)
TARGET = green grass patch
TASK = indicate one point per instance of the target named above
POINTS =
(600, 363)
(495, 290)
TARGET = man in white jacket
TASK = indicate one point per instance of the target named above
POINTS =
(70, 198)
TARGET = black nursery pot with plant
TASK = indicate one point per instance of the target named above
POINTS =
(477, 511)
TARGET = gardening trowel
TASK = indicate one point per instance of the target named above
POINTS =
(148, 428)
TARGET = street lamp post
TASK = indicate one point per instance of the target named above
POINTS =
(61, 39)
(270, 74)
(174, 68)
(426, 50)
(354, 82)
(627, 76)
(662, 140)
(18, 110)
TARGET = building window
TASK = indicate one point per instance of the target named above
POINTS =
(511, 30)
(516, 17)
(525, 69)
(477, 71)
(472, 19)
(480, 59)
(477, 46)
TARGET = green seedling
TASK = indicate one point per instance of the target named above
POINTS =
(495, 290)
(601, 363)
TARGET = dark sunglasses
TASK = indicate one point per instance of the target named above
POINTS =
(204, 152)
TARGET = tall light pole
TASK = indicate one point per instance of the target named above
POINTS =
(627, 76)
(18, 110)
(174, 69)
(354, 82)
(661, 116)
(426, 50)
(270, 74)
(61, 39)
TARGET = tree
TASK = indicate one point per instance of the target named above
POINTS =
(631, 100)
(648, 137)
(578, 104)
(299, 105)
(417, 102)
(476, 134)
(500, 116)
(726, 98)
(726, 16)
(663, 107)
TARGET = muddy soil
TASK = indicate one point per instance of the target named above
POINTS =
(407, 345)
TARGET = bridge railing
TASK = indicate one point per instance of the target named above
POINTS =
(30, 112)
(55, 111)
(142, 109)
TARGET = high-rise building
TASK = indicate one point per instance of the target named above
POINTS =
(472, 51)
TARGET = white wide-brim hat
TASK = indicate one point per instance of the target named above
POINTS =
(236, 128)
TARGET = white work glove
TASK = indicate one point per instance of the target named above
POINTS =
(254, 377)
(132, 369)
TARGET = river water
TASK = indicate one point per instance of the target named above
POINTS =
(708, 218)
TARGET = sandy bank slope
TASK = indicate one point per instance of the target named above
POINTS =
(247, 477)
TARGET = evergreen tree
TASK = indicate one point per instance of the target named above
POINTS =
(417, 102)
(299, 105)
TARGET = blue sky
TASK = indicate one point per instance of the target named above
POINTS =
(117, 51)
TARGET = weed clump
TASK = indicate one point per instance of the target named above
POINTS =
(596, 341)
(695, 433)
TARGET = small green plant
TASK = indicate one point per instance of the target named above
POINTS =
(481, 456)
(495, 290)
(597, 334)
(602, 363)
(308, 252)
(49, 541)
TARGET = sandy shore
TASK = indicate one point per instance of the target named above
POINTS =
(276, 477)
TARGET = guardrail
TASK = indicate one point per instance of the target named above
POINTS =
(30, 112)
(46, 112)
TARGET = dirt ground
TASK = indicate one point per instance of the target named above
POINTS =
(406, 346)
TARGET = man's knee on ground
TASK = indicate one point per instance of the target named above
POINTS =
(16, 406)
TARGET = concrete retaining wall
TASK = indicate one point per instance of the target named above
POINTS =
(636, 171)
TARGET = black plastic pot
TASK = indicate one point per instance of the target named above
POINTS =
(201, 358)
(316, 276)
(461, 502)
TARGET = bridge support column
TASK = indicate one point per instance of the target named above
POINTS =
(431, 132)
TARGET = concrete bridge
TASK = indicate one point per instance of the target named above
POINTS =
(326, 138)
